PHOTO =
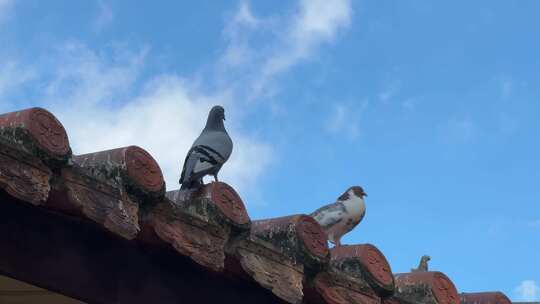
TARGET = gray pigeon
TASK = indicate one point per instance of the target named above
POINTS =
(209, 151)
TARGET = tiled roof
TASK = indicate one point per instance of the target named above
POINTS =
(96, 226)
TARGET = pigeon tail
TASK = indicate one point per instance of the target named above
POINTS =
(337, 243)
(201, 160)
(191, 185)
(335, 240)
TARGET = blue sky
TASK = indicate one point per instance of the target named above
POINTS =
(432, 107)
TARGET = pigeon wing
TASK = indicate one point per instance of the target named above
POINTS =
(329, 215)
(218, 142)
(200, 161)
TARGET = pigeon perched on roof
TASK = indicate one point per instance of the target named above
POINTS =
(209, 151)
(423, 266)
(342, 216)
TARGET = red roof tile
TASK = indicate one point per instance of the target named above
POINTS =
(495, 297)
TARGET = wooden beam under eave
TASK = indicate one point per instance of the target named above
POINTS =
(74, 258)
(17, 292)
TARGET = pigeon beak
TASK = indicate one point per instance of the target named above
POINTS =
(365, 194)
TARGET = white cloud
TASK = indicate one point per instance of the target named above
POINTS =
(528, 290)
(83, 75)
(104, 17)
(89, 95)
(6, 7)
(289, 39)
(244, 16)
(316, 22)
(320, 19)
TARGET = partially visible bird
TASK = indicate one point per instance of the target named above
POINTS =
(342, 216)
(423, 266)
(209, 151)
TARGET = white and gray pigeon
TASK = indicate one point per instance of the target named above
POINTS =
(209, 151)
(339, 218)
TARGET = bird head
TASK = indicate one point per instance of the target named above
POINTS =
(215, 119)
(217, 113)
(426, 258)
(354, 190)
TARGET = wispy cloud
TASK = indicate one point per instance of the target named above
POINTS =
(527, 290)
(81, 74)
(289, 40)
(104, 16)
(237, 33)
(345, 119)
(12, 76)
(316, 22)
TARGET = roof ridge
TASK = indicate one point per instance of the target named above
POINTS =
(122, 191)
